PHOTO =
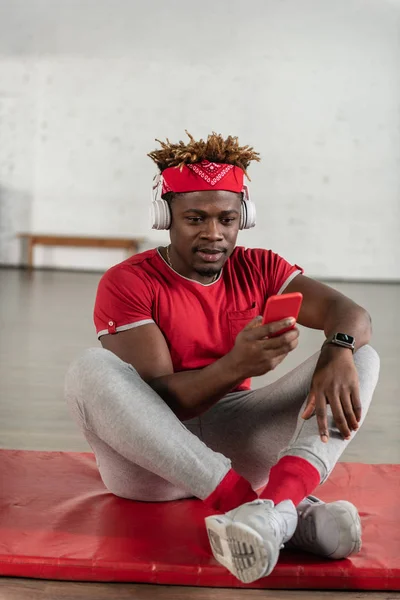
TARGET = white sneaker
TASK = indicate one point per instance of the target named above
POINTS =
(332, 530)
(247, 540)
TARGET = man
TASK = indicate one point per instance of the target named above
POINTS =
(166, 404)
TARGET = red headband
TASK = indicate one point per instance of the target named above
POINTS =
(202, 176)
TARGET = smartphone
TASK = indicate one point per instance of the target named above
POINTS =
(281, 307)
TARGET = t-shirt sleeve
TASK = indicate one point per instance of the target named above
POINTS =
(280, 273)
(276, 271)
(124, 300)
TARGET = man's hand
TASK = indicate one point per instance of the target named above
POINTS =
(254, 353)
(335, 381)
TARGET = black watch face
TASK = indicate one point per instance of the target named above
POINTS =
(346, 339)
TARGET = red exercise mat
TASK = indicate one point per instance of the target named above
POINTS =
(57, 521)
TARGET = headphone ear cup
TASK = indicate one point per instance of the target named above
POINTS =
(160, 214)
(243, 215)
(247, 214)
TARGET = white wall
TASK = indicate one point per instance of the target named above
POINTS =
(86, 86)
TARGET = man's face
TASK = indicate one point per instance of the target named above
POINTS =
(203, 232)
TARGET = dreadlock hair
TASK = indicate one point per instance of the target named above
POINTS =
(214, 149)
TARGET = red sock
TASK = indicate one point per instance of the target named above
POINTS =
(292, 478)
(233, 491)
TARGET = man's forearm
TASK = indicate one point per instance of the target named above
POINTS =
(190, 393)
(345, 316)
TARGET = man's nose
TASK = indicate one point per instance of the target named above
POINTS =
(213, 230)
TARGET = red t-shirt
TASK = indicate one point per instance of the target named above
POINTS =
(199, 322)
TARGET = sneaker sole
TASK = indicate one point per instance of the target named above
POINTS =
(350, 541)
(240, 549)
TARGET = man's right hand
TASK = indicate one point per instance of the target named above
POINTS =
(254, 353)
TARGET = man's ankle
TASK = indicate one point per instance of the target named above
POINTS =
(230, 493)
(292, 478)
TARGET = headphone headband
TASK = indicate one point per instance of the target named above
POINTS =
(161, 212)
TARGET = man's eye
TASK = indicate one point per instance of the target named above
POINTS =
(194, 219)
(228, 220)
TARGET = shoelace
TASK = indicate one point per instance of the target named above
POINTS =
(278, 522)
(305, 533)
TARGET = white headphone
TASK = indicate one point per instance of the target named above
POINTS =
(161, 212)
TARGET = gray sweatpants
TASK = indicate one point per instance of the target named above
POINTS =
(144, 452)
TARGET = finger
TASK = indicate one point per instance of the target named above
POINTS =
(348, 411)
(278, 351)
(279, 326)
(271, 328)
(338, 415)
(283, 349)
(322, 417)
(256, 322)
(281, 341)
(258, 332)
(356, 402)
(310, 408)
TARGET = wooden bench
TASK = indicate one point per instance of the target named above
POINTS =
(34, 239)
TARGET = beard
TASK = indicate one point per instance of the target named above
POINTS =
(208, 271)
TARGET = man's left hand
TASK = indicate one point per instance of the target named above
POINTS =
(335, 382)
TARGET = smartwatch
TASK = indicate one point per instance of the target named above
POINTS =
(341, 339)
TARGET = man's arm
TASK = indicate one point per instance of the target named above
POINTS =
(327, 309)
(145, 349)
(335, 380)
(191, 393)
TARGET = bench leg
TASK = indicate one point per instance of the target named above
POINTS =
(30, 254)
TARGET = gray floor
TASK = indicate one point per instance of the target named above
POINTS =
(46, 319)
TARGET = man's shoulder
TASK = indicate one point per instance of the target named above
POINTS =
(257, 256)
(262, 260)
(134, 264)
(134, 267)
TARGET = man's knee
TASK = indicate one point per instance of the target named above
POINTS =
(368, 363)
(367, 354)
(93, 369)
(88, 363)
(93, 359)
